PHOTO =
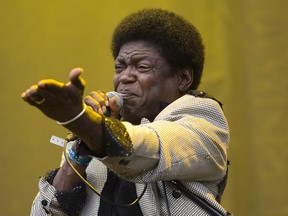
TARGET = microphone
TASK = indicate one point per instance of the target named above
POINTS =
(119, 99)
(119, 102)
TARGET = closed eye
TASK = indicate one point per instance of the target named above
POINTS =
(143, 68)
(119, 68)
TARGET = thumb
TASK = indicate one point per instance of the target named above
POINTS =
(113, 103)
(75, 79)
(114, 108)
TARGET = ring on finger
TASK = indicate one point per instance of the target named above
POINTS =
(39, 102)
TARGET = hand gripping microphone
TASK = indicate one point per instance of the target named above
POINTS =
(119, 102)
(119, 99)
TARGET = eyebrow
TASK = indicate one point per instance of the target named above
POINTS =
(135, 57)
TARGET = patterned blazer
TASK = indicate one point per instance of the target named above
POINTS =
(187, 141)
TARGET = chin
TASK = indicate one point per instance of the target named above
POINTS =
(130, 117)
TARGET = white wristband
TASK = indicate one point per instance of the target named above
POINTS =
(73, 119)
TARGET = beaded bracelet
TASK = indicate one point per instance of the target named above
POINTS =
(81, 160)
(73, 119)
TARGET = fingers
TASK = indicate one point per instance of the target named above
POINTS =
(99, 102)
(50, 85)
(75, 79)
(113, 103)
(31, 95)
(36, 94)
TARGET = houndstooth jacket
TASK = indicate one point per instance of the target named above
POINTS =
(187, 141)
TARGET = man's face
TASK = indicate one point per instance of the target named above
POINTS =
(144, 80)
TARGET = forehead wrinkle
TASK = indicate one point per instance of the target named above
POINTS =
(135, 54)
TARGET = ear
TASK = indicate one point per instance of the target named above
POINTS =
(185, 79)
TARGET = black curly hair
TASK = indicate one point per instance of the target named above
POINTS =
(179, 41)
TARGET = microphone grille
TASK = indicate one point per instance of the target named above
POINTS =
(112, 94)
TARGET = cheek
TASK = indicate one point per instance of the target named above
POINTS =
(115, 82)
(151, 92)
(163, 89)
(148, 86)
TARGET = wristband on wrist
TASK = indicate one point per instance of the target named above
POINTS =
(81, 160)
(73, 119)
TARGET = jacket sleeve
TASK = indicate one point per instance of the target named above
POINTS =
(45, 203)
(49, 201)
(187, 141)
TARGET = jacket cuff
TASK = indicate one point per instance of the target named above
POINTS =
(71, 202)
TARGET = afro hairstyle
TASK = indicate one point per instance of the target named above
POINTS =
(179, 41)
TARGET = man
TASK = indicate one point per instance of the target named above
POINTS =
(167, 135)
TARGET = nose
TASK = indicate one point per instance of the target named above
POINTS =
(128, 75)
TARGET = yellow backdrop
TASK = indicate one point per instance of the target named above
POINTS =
(246, 68)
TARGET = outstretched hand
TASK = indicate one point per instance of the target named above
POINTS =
(58, 100)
